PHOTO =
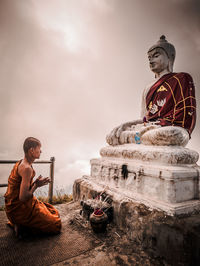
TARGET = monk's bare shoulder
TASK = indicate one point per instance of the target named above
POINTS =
(25, 170)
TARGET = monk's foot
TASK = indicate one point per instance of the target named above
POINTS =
(11, 225)
(18, 231)
(16, 228)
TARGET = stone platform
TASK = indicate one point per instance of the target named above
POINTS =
(161, 177)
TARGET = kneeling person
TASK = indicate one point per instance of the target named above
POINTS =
(23, 209)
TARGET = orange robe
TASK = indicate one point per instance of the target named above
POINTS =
(32, 213)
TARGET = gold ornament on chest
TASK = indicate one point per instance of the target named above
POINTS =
(162, 88)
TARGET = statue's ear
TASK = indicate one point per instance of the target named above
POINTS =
(170, 66)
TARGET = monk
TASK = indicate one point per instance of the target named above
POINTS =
(168, 113)
(23, 209)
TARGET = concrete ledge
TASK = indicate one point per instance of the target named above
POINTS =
(159, 154)
(165, 183)
(85, 188)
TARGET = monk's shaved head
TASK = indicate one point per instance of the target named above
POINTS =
(29, 143)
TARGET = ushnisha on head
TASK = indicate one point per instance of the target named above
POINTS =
(167, 54)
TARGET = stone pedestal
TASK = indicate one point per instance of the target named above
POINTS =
(165, 178)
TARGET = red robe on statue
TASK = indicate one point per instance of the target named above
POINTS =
(171, 100)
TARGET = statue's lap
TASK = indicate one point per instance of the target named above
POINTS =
(152, 134)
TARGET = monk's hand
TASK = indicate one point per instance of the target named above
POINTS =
(42, 181)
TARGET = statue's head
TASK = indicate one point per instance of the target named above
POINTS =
(162, 56)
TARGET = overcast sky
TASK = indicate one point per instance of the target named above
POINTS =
(71, 70)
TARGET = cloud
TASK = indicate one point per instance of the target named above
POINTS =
(72, 70)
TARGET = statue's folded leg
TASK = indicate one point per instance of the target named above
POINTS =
(167, 135)
(127, 137)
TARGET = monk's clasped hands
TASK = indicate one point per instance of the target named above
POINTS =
(42, 181)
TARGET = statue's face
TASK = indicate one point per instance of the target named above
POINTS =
(158, 60)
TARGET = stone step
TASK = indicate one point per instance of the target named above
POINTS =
(159, 154)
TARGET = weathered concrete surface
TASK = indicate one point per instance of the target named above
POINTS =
(172, 155)
(162, 194)
(171, 240)
(177, 239)
(161, 177)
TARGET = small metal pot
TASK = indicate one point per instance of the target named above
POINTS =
(99, 222)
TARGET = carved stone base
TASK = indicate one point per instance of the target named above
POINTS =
(85, 188)
(163, 178)
(170, 184)
(172, 155)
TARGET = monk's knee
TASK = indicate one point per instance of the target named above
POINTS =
(56, 227)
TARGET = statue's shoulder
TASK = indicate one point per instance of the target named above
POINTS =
(181, 79)
(183, 76)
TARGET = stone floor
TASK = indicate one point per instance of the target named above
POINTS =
(110, 248)
(115, 248)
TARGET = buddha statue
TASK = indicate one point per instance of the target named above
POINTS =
(168, 111)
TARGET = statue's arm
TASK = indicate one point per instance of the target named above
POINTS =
(127, 125)
(113, 137)
(143, 104)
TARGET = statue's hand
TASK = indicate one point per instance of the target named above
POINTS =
(114, 137)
